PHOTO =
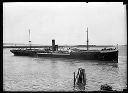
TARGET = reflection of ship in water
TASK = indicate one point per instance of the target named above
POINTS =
(106, 54)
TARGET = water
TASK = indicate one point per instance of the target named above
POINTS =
(56, 74)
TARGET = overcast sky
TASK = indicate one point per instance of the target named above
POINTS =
(65, 22)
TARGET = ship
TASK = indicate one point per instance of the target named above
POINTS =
(105, 54)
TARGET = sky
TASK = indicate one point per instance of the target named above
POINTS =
(66, 22)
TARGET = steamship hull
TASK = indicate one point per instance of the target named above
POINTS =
(27, 52)
(84, 55)
(23, 52)
(88, 55)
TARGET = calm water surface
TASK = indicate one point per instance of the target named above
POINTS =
(56, 74)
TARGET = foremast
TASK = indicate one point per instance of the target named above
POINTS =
(29, 40)
(87, 39)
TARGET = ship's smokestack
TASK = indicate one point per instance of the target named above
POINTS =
(53, 45)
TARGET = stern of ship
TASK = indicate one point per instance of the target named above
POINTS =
(109, 55)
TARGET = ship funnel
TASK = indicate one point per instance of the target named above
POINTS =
(53, 45)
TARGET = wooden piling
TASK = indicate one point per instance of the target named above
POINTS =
(80, 78)
(74, 80)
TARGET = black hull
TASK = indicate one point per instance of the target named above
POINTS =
(109, 56)
(106, 56)
(86, 55)
(54, 56)
(23, 53)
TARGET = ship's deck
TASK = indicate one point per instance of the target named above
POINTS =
(105, 51)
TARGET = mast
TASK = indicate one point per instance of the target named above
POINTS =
(29, 40)
(87, 38)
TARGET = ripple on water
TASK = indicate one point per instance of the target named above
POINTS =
(49, 74)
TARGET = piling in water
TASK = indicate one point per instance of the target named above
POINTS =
(80, 79)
